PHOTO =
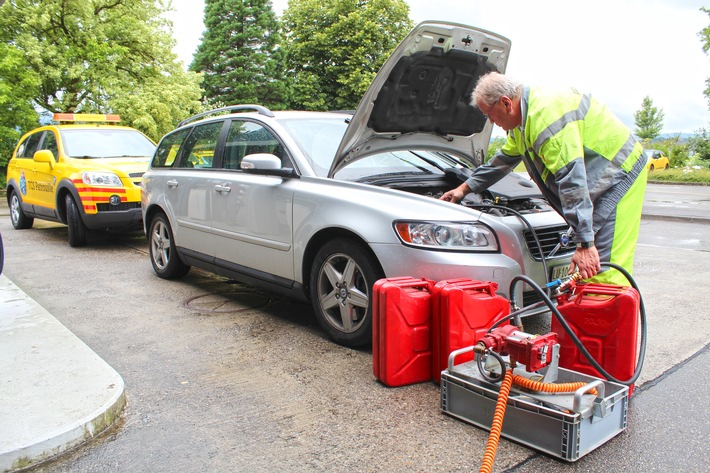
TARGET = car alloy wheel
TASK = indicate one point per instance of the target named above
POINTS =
(19, 219)
(341, 291)
(163, 256)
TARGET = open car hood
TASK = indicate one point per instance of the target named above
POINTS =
(420, 98)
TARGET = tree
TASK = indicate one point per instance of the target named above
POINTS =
(17, 115)
(648, 120)
(676, 151)
(700, 144)
(88, 55)
(335, 48)
(705, 39)
(239, 56)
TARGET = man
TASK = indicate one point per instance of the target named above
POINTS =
(584, 160)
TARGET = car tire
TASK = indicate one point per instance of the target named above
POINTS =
(342, 277)
(19, 219)
(161, 245)
(667, 166)
(77, 229)
(650, 168)
(2, 254)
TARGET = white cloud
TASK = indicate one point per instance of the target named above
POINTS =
(618, 50)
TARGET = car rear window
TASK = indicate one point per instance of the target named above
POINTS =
(168, 149)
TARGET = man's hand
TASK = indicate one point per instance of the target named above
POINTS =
(455, 195)
(586, 261)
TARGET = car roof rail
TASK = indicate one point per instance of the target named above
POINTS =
(232, 108)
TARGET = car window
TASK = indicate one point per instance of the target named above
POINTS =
(246, 137)
(106, 143)
(199, 148)
(28, 148)
(50, 142)
(168, 149)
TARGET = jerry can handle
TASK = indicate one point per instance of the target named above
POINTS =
(489, 288)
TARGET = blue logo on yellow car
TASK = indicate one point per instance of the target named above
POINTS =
(23, 183)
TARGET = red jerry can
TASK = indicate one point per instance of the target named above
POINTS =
(463, 311)
(605, 318)
(401, 330)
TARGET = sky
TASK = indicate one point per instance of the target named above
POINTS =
(620, 51)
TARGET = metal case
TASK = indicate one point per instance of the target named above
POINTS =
(567, 426)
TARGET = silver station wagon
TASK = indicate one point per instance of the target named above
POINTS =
(320, 205)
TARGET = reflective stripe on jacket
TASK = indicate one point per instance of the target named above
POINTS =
(580, 154)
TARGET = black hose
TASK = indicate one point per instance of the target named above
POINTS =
(482, 370)
(575, 339)
(532, 230)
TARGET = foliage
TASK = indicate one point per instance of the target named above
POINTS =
(686, 175)
(87, 55)
(334, 49)
(495, 145)
(705, 39)
(648, 120)
(16, 113)
(673, 148)
(240, 55)
(700, 145)
(156, 106)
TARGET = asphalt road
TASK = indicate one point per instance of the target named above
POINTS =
(222, 377)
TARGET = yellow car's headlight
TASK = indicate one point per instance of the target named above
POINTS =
(93, 178)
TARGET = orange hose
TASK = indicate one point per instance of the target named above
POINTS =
(549, 387)
(497, 425)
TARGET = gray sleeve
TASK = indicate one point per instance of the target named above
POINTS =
(574, 196)
(493, 171)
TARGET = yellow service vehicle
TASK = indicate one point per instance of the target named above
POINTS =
(85, 175)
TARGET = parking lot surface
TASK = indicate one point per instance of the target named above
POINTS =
(221, 377)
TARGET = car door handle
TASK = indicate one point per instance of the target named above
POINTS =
(223, 189)
(171, 184)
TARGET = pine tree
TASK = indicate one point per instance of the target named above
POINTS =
(240, 55)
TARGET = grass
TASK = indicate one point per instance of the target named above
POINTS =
(685, 175)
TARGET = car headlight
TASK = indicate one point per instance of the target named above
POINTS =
(93, 178)
(447, 235)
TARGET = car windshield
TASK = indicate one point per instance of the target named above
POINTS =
(319, 140)
(106, 143)
(396, 163)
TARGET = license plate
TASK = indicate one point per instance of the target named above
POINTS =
(558, 272)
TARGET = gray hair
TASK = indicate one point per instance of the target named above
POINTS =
(492, 86)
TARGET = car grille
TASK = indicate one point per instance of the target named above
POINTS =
(531, 297)
(549, 238)
(123, 206)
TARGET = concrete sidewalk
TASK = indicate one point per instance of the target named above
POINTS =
(55, 392)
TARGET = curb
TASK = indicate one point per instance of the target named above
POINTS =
(55, 392)
(676, 218)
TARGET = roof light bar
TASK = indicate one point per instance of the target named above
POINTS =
(86, 117)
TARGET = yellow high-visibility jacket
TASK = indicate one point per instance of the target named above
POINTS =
(580, 154)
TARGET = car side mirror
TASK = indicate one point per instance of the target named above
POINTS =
(265, 163)
(45, 156)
